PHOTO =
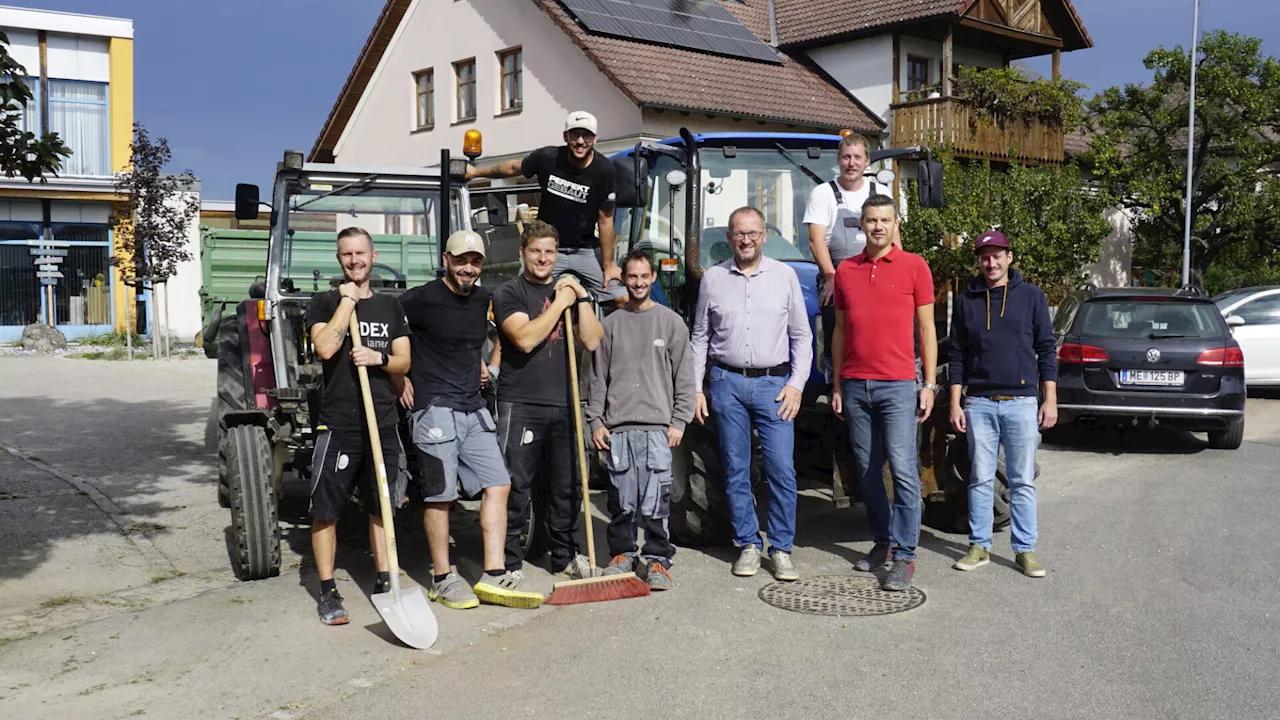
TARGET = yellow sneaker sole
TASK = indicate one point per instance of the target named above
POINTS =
(510, 598)
(465, 605)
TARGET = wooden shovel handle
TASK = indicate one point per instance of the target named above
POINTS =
(375, 442)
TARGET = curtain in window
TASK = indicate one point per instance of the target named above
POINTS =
(78, 113)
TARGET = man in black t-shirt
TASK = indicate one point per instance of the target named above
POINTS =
(452, 429)
(578, 192)
(343, 456)
(535, 426)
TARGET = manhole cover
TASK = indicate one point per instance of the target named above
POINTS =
(840, 595)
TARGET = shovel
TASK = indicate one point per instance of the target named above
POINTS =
(406, 612)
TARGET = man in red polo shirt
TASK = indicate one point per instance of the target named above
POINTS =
(880, 295)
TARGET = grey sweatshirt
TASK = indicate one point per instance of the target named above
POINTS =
(642, 373)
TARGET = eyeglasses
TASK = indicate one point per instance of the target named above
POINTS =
(753, 235)
(581, 134)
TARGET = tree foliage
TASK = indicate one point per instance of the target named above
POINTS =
(1000, 94)
(153, 232)
(1054, 222)
(1139, 150)
(21, 151)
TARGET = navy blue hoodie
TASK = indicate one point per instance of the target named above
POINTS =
(1002, 338)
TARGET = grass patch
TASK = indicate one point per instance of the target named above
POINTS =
(111, 339)
(60, 600)
(92, 690)
(237, 601)
(115, 353)
(167, 576)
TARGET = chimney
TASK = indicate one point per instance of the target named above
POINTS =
(773, 24)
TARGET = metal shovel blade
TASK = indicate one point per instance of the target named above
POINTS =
(409, 616)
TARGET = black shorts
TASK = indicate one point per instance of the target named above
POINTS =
(344, 460)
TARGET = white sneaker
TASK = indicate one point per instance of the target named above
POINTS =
(578, 569)
(748, 562)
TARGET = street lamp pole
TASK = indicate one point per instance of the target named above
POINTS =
(1191, 135)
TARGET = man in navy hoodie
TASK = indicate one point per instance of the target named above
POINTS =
(1002, 347)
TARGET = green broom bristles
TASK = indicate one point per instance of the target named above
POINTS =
(598, 589)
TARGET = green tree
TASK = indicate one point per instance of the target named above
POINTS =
(1139, 150)
(1054, 221)
(21, 151)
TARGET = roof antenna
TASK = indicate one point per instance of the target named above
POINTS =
(773, 24)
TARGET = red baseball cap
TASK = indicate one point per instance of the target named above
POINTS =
(991, 238)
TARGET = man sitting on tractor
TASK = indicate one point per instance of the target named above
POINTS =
(342, 451)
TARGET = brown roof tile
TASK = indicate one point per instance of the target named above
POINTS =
(685, 79)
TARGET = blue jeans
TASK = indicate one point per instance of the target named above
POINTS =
(1014, 423)
(882, 423)
(738, 402)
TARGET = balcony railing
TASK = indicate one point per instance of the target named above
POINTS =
(937, 121)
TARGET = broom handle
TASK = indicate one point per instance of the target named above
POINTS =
(577, 427)
(375, 442)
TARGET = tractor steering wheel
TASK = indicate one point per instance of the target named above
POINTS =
(400, 278)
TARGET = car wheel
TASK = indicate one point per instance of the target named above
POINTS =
(1229, 439)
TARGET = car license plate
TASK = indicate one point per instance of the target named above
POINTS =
(1151, 377)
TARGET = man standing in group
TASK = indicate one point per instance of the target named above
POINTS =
(834, 217)
(750, 325)
(641, 399)
(880, 295)
(578, 193)
(343, 456)
(1002, 345)
(535, 425)
(455, 436)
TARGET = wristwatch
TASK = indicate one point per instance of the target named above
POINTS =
(385, 359)
(586, 299)
(933, 388)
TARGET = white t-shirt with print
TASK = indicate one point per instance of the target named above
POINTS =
(822, 207)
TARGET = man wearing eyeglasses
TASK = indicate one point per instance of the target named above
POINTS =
(751, 327)
(578, 193)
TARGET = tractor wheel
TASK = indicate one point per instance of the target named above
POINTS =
(699, 509)
(233, 393)
(533, 538)
(255, 527)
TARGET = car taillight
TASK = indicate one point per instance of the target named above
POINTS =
(1222, 357)
(1082, 354)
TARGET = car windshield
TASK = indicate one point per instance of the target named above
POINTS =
(402, 222)
(765, 179)
(1230, 296)
(1148, 319)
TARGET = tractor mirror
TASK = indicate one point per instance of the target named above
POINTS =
(929, 175)
(495, 205)
(632, 174)
(246, 202)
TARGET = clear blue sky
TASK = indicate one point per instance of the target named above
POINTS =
(232, 83)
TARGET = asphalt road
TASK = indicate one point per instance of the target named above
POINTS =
(116, 598)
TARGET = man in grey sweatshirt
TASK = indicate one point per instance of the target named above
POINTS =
(641, 398)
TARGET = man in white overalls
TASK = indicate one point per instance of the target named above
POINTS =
(834, 217)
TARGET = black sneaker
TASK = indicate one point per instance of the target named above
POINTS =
(899, 577)
(879, 557)
(380, 587)
(331, 610)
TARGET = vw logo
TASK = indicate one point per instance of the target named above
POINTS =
(1153, 355)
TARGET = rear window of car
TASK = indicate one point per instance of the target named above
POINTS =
(1138, 318)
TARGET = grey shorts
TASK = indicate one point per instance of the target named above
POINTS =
(640, 468)
(587, 265)
(459, 447)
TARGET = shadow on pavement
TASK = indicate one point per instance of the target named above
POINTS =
(1122, 441)
(129, 451)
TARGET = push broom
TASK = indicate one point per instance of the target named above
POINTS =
(594, 589)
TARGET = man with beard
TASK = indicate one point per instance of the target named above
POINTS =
(343, 456)
(641, 399)
(578, 187)
(535, 425)
(452, 430)
(751, 327)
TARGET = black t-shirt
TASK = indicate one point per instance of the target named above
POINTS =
(540, 377)
(448, 331)
(571, 198)
(381, 321)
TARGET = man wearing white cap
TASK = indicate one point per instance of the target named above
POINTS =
(578, 193)
(454, 434)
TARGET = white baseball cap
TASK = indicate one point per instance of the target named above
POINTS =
(464, 241)
(580, 119)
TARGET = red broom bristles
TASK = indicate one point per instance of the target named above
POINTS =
(598, 589)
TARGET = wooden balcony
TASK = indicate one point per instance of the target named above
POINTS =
(938, 121)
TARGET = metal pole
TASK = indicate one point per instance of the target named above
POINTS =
(1191, 137)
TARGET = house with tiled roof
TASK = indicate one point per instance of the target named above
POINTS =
(433, 69)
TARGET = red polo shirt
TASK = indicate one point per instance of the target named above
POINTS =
(879, 300)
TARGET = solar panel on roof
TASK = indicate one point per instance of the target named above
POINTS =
(700, 25)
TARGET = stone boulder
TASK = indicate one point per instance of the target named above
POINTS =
(42, 338)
